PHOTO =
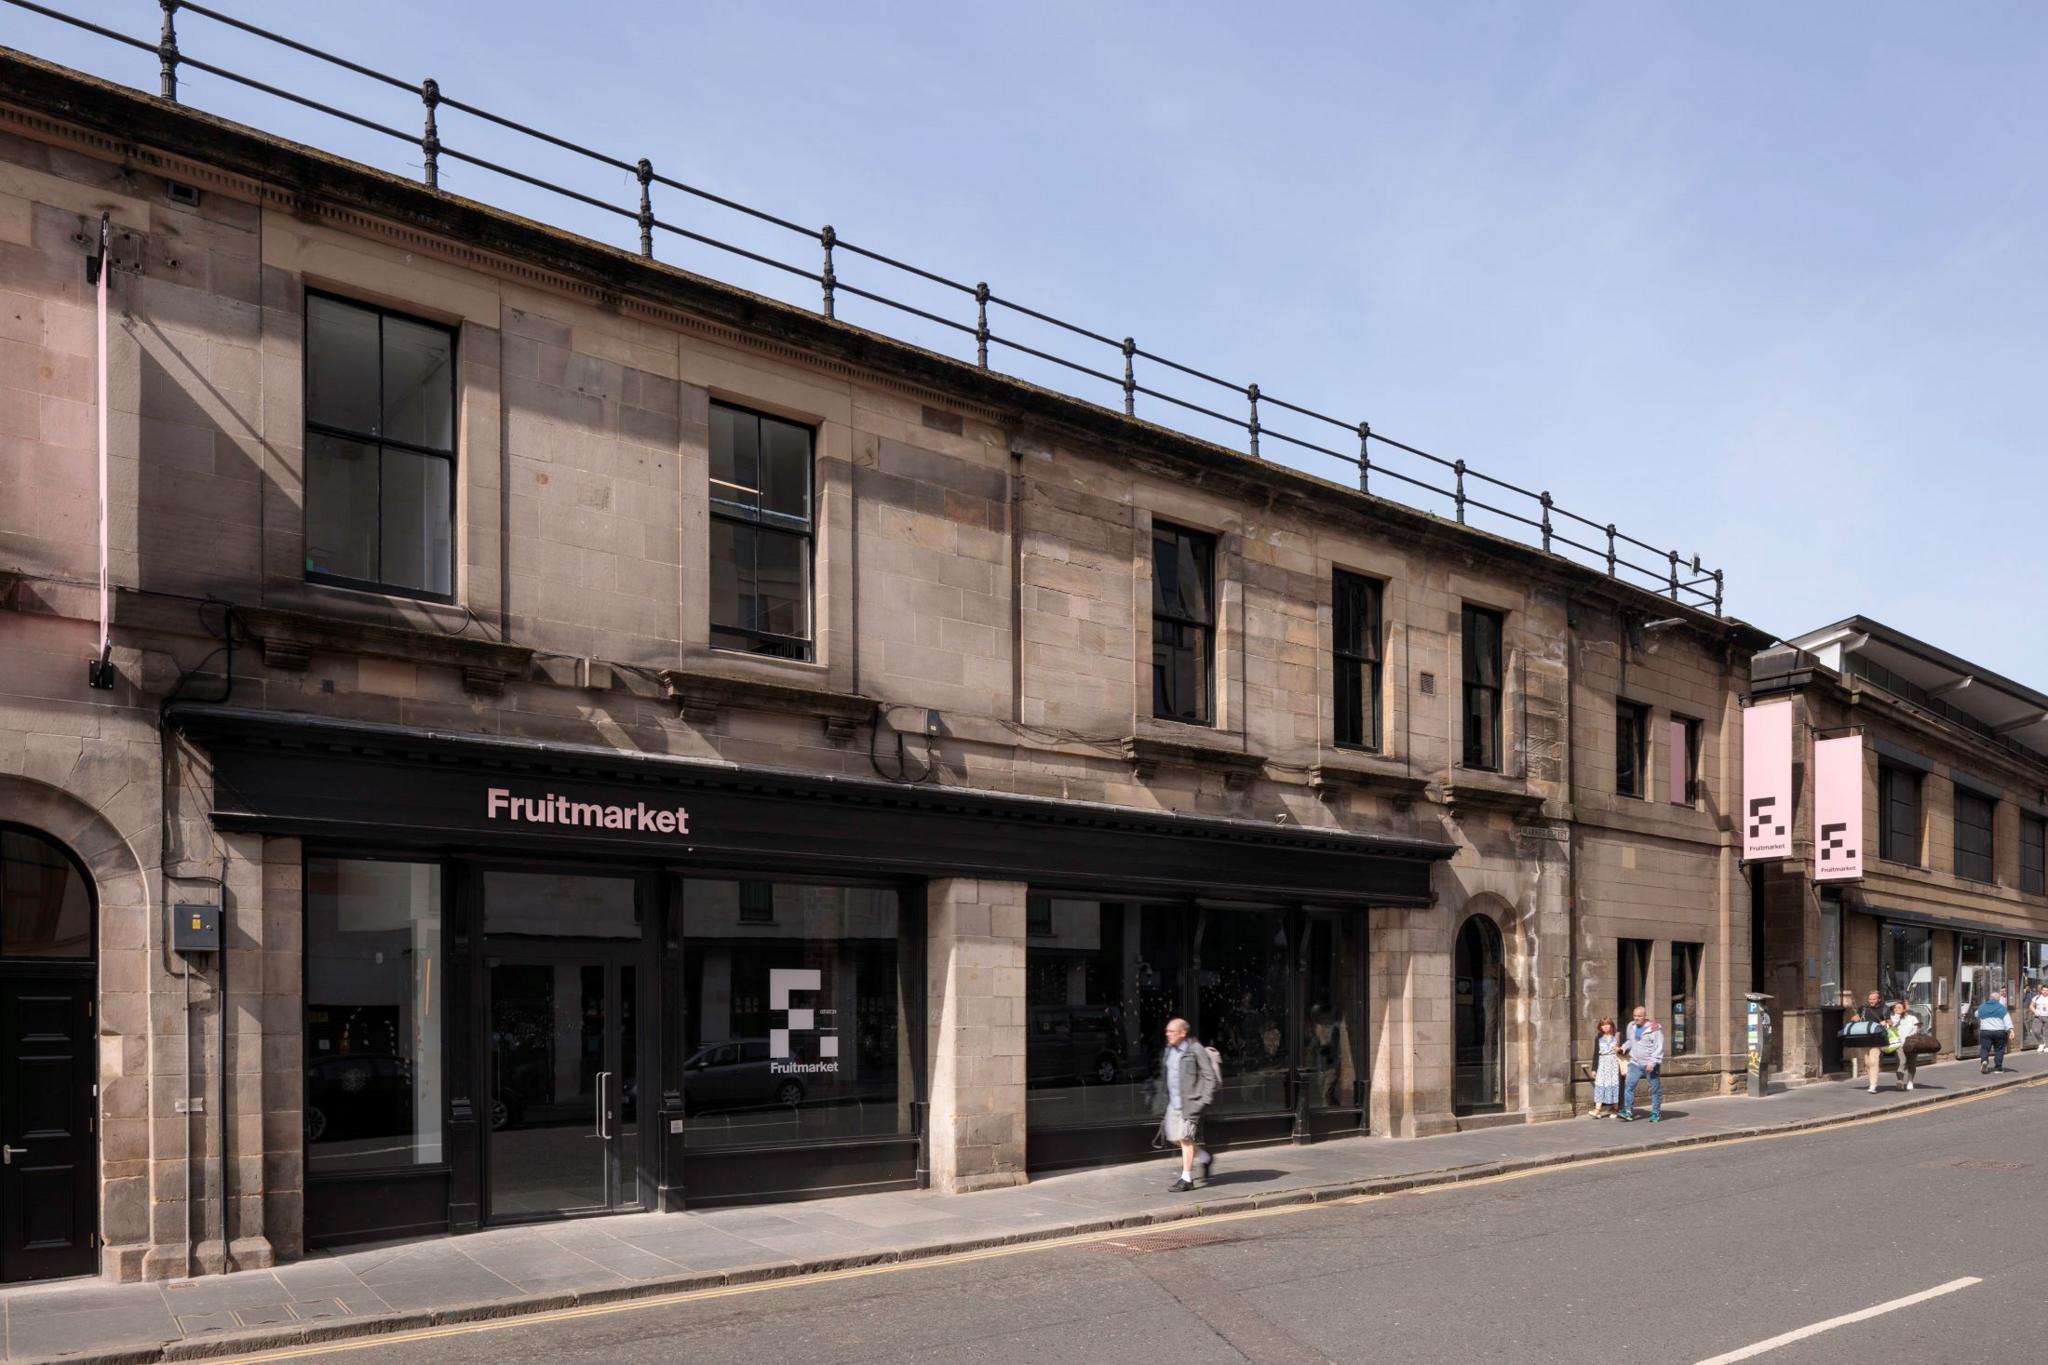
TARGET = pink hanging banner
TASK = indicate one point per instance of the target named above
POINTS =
(1767, 781)
(1838, 809)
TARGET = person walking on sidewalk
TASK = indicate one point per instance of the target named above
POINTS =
(1903, 1025)
(1872, 1013)
(1187, 1084)
(1645, 1051)
(1994, 1031)
(1606, 1069)
(2037, 1019)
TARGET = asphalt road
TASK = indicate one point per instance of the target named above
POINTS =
(1684, 1257)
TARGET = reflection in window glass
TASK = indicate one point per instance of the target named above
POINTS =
(1909, 969)
(1241, 969)
(373, 1014)
(560, 905)
(1333, 959)
(1830, 992)
(45, 905)
(1101, 980)
(761, 533)
(794, 1018)
(1683, 1027)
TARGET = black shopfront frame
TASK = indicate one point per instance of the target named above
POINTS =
(350, 788)
(1050, 1147)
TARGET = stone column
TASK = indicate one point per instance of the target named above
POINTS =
(974, 965)
(1409, 957)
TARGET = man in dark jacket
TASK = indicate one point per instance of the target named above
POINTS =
(1185, 1088)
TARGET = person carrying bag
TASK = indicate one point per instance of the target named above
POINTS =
(1865, 1033)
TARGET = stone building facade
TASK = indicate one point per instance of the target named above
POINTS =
(1953, 900)
(680, 749)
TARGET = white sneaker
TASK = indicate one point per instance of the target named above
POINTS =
(1909, 1085)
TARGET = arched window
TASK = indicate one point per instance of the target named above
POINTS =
(1476, 1086)
(45, 898)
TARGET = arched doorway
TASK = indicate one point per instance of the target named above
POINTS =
(1476, 997)
(49, 1167)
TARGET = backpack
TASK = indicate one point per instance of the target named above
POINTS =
(1216, 1063)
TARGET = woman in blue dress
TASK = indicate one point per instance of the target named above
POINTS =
(1606, 1070)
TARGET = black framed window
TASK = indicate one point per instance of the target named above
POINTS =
(1898, 814)
(375, 1088)
(1631, 748)
(1632, 984)
(1482, 688)
(45, 898)
(797, 1026)
(2033, 854)
(1355, 650)
(380, 450)
(1974, 816)
(1685, 1031)
(762, 533)
(1183, 625)
(1685, 760)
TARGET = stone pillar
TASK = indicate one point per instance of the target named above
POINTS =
(974, 965)
(1409, 955)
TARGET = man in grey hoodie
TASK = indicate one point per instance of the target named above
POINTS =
(1185, 1087)
(1644, 1048)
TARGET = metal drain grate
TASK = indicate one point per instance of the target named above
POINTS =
(1145, 1244)
(1992, 1165)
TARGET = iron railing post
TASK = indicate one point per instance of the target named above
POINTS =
(827, 238)
(981, 324)
(1610, 549)
(430, 139)
(1717, 592)
(1459, 466)
(644, 172)
(1364, 457)
(1251, 391)
(1130, 379)
(1544, 498)
(167, 50)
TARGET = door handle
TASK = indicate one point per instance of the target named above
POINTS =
(603, 1085)
(7, 1154)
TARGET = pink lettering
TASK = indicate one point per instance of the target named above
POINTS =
(666, 822)
(496, 800)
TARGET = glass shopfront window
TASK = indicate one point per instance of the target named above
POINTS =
(1980, 970)
(374, 986)
(1277, 991)
(1909, 969)
(1100, 984)
(794, 1020)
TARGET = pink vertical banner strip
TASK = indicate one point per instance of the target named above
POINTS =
(1838, 809)
(1766, 809)
(106, 269)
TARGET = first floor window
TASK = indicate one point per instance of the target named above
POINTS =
(1631, 749)
(380, 449)
(1898, 814)
(1355, 659)
(794, 1004)
(2033, 855)
(1482, 659)
(1183, 625)
(761, 533)
(374, 986)
(1685, 1035)
(1685, 761)
(1974, 817)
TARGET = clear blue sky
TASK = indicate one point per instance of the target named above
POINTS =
(1763, 281)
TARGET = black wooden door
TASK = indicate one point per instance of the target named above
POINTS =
(49, 1179)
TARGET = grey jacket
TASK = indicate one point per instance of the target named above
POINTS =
(1198, 1079)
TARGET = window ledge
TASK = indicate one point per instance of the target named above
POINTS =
(1474, 789)
(1360, 772)
(1147, 754)
(290, 639)
(700, 697)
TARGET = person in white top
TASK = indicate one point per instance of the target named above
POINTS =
(1905, 1023)
(2037, 1018)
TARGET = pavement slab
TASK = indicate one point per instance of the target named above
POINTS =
(538, 1266)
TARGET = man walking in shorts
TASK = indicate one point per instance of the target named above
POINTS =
(1186, 1087)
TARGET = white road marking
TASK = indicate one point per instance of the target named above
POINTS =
(1876, 1310)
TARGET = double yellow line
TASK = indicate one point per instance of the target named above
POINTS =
(1207, 1220)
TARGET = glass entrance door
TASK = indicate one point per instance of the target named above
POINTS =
(564, 1061)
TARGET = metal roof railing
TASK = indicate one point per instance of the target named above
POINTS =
(1088, 357)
